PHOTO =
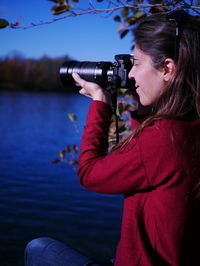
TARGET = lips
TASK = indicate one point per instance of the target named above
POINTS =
(137, 88)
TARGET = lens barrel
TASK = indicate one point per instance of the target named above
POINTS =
(97, 72)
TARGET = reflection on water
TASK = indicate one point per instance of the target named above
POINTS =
(38, 198)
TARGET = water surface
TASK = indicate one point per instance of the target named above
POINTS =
(38, 198)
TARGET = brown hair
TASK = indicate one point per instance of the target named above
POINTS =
(156, 36)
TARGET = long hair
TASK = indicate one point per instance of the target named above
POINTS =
(156, 36)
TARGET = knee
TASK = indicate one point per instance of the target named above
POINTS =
(36, 246)
(35, 250)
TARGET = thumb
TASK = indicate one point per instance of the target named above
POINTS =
(84, 92)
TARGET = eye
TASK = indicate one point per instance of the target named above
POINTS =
(135, 62)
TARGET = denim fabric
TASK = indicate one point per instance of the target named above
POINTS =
(46, 251)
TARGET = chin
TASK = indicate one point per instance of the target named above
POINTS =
(145, 103)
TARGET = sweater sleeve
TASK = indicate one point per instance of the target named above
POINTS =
(120, 171)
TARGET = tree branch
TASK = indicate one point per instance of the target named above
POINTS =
(80, 11)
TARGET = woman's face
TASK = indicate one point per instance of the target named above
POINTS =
(149, 81)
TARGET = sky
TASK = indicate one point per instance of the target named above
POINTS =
(85, 37)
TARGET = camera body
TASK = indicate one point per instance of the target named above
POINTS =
(107, 74)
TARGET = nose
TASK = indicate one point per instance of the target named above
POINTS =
(131, 73)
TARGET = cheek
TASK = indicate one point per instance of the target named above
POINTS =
(156, 88)
(140, 76)
(151, 88)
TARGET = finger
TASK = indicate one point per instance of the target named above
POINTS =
(76, 76)
(78, 79)
(84, 92)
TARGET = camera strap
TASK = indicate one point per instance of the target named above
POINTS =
(113, 89)
(114, 110)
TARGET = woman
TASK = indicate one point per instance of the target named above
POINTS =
(157, 167)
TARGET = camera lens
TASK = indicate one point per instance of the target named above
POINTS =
(97, 72)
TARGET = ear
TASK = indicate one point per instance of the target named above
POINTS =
(169, 69)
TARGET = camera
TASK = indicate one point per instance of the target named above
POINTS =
(107, 74)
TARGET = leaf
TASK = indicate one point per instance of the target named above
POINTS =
(123, 34)
(121, 128)
(58, 9)
(75, 148)
(55, 161)
(125, 12)
(120, 108)
(62, 154)
(131, 20)
(121, 28)
(72, 117)
(123, 91)
(157, 9)
(68, 149)
(55, 1)
(112, 129)
(73, 162)
(3, 23)
(59, 2)
(117, 19)
(139, 14)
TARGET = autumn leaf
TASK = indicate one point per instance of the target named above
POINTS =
(59, 2)
(75, 148)
(55, 161)
(139, 14)
(117, 19)
(72, 117)
(73, 162)
(123, 34)
(62, 154)
(125, 12)
(68, 149)
(120, 107)
(121, 28)
(59, 9)
(3, 23)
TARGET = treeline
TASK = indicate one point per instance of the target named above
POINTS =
(42, 74)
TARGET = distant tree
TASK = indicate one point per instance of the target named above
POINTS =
(11, 72)
(31, 74)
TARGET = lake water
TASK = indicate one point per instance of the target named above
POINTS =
(38, 198)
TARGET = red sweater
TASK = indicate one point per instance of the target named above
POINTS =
(156, 171)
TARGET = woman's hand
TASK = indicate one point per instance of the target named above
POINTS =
(92, 90)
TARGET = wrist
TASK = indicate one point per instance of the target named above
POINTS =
(103, 97)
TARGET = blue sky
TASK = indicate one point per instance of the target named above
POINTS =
(86, 37)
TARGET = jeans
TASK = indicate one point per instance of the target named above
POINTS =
(46, 251)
